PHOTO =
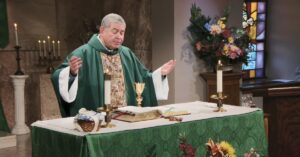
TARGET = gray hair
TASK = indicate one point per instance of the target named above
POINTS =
(112, 18)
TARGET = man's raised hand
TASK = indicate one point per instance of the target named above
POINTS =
(168, 67)
(75, 63)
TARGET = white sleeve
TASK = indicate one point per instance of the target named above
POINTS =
(63, 83)
(161, 85)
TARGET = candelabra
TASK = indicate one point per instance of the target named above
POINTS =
(48, 60)
(18, 58)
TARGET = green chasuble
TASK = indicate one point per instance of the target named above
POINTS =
(90, 92)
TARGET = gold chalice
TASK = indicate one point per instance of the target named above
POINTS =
(139, 88)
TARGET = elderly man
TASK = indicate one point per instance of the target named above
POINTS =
(79, 81)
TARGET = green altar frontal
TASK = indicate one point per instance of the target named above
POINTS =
(243, 132)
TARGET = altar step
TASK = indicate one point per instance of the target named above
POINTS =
(7, 140)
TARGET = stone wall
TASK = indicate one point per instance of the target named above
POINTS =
(72, 23)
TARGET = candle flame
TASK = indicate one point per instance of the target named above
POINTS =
(15, 24)
(44, 41)
(220, 62)
(58, 41)
(39, 41)
(48, 37)
(53, 42)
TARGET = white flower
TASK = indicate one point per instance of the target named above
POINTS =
(215, 29)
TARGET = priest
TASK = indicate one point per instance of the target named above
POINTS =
(79, 81)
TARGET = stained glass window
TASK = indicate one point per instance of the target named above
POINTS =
(254, 14)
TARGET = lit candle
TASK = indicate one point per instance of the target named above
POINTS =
(107, 89)
(16, 34)
(40, 48)
(219, 77)
(49, 43)
(58, 48)
(44, 44)
(53, 44)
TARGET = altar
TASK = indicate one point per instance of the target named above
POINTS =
(242, 127)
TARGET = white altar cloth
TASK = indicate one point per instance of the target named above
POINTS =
(199, 110)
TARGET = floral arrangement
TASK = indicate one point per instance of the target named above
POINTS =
(186, 149)
(213, 40)
(222, 149)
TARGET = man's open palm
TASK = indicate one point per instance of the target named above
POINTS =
(168, 67)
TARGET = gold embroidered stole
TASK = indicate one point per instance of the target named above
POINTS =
(113, 65)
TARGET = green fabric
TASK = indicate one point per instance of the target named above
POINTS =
(242, 131)
(3, 122)
(46, 143)
(91, 80)
(3, 25)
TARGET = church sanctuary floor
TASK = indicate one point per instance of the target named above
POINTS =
(23, 148)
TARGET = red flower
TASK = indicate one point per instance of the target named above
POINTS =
(181, 146)
(226, 33)
(188, 150)
(233, 55)
(188, 155)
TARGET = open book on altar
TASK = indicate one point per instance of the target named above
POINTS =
(135, 114)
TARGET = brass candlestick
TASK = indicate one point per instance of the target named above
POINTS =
(108, 109)
(219, 97)
(18, 58)
(139, 88)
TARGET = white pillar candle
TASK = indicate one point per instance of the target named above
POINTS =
(44, 44)
(49, 44)
(40, 48)
(107, 89)
(219, 78)
(53, 44)
(58, 48)
(16, 34)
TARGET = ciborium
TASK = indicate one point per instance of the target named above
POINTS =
(139, 88)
